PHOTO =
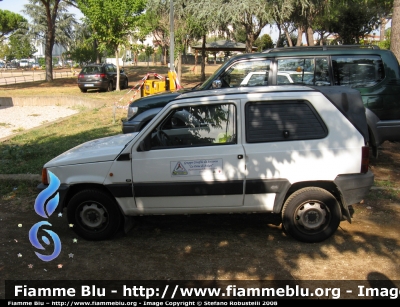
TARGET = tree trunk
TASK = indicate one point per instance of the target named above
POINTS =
(117, 64)
(300, 31)
(96, 51)
(249, 40)
(49, 58)
(288, 37)
(382, 29)
(165, 55)
(310, 36)
(395, 33)
(179, 66)
(203, 60)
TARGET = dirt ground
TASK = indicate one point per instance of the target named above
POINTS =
(215, 247)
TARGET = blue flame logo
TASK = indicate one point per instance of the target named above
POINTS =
(45, 194)
(41, 208)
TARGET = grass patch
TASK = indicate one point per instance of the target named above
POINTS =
(28, 152)
(4, 124)
(20, 129)
(386, 194)
(384, 183)
(18, 194)
(34, 115)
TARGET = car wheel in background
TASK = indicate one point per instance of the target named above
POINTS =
(83, 90)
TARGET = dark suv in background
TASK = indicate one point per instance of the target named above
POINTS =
(374, 72)
(102, 77)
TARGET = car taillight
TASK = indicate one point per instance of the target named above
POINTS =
(45, 180)
(80, 76)
(100, 75)
(364, 159)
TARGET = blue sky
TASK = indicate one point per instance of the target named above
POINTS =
(17, 6)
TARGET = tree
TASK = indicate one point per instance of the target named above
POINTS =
(264, 42)
(351, 24)
(21, 46)
(9, 23)
(112, 21)
(156, 22)
(252, 15)
(51, 23)
(395, 31)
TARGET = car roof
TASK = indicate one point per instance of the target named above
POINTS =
(244, 90)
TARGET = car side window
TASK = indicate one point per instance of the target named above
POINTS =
(309, 71)
(109, 68)
(246, 73)
(192, 126)
(357, 71)
(275, 121)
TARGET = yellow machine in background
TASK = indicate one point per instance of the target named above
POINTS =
(159, 84)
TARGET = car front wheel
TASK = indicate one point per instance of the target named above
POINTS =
(94, 215)
(83, 90)
(311, 215)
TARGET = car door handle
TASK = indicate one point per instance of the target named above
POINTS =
(240, 156)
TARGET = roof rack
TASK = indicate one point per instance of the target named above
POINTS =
(324, 47)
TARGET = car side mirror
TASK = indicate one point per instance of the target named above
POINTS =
(216, 84)
(121, 71)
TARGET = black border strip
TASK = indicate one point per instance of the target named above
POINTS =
(188, 188)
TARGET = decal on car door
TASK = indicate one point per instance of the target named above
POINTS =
(196, 167)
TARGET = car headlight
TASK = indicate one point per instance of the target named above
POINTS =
(45, 180)
(132, 111)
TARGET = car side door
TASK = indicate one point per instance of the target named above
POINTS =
(190, 159)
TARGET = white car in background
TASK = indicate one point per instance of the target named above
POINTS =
(24, 63)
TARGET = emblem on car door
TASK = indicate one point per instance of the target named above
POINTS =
(179, 169)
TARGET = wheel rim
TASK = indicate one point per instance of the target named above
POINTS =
(312, 216)
(93, 216)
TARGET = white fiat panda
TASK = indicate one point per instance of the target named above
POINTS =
(296, 151)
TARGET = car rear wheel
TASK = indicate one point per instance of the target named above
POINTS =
(311, 215)
(94, 215)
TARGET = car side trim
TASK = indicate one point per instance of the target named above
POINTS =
(120, 189)
(188, 188)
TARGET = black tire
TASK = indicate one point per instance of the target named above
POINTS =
(83, 90)
(94, 214)
(110, 87)
(126, 84)
(311, 215)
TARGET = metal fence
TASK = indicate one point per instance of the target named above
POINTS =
(13, 77)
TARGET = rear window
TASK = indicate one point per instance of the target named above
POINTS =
(357, 71)
(276, 121)
(91, 70)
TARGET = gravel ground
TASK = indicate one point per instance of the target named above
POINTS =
(17, 119)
